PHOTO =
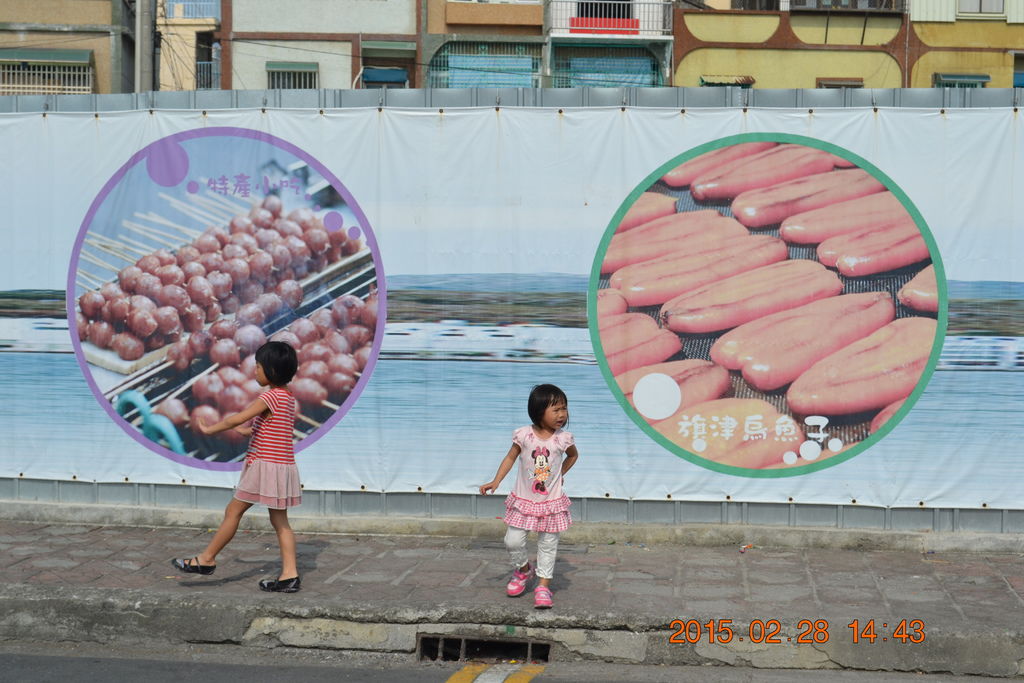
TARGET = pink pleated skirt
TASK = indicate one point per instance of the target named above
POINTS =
(269, 483)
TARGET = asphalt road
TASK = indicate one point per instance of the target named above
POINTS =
(39, 663)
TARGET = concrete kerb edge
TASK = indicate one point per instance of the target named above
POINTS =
(57, 613)
(595, 533)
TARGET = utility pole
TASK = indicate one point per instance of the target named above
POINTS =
(144, 45)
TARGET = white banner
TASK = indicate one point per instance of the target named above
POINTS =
(493, 230)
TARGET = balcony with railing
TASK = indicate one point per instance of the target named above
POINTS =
(609, 18)
(873, 6)
(207, 75)
(193, 9)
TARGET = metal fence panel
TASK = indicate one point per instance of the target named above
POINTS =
(451, 97)
(656, 97)
(413, 97)
(214, 99)
(560, 97)
(705, 97)
(873, 97)
(824, 97)
(775, 98)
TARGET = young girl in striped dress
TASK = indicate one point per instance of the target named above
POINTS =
(545, 453)
(269, 476)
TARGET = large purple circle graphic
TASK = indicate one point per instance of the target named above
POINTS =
(201, 247)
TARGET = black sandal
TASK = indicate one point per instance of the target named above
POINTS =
(291, 585)
(192, 566)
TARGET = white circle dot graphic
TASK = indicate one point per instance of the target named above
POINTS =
(835, 445)
(657, 396)
(810, 450)
(789, 457)
(699, 445)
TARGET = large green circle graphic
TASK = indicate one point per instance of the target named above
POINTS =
(767, 305)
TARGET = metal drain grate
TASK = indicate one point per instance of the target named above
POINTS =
(454, 648)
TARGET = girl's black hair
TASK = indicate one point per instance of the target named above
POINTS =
(542, 396)
(279, 362)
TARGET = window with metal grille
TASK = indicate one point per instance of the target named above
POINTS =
(24, 78)
(960, 80)
(292, 75)
(839, 83)
(485, 65)
(981, 7)
(605, 9)
(600, 67)
(755, 4)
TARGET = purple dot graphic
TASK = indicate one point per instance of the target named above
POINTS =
(308, 197)
(333, 221)
(167, 163)
(192, 187)
(316, 207)
(354, 232)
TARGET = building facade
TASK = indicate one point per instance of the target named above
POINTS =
(188, 54)
(304, 44)
(554, 43)
(59, 47)
(851, 44)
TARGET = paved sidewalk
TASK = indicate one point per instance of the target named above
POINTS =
(612, 602)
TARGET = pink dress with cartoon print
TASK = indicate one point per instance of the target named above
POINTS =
(537, 502)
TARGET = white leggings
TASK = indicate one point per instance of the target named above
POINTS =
(547, 548)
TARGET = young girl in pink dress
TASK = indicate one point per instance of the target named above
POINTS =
(545, 453)
(269, 476)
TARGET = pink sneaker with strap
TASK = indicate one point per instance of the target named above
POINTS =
(517, 584)
(542, 597)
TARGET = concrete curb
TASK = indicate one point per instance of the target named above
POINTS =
(93, 615)
(701, 535)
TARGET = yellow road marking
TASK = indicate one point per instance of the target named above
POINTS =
(525, 674)
(468, 673)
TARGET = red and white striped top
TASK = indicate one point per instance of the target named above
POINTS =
(272, 437)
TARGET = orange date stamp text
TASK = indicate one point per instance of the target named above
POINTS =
(808, 631)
